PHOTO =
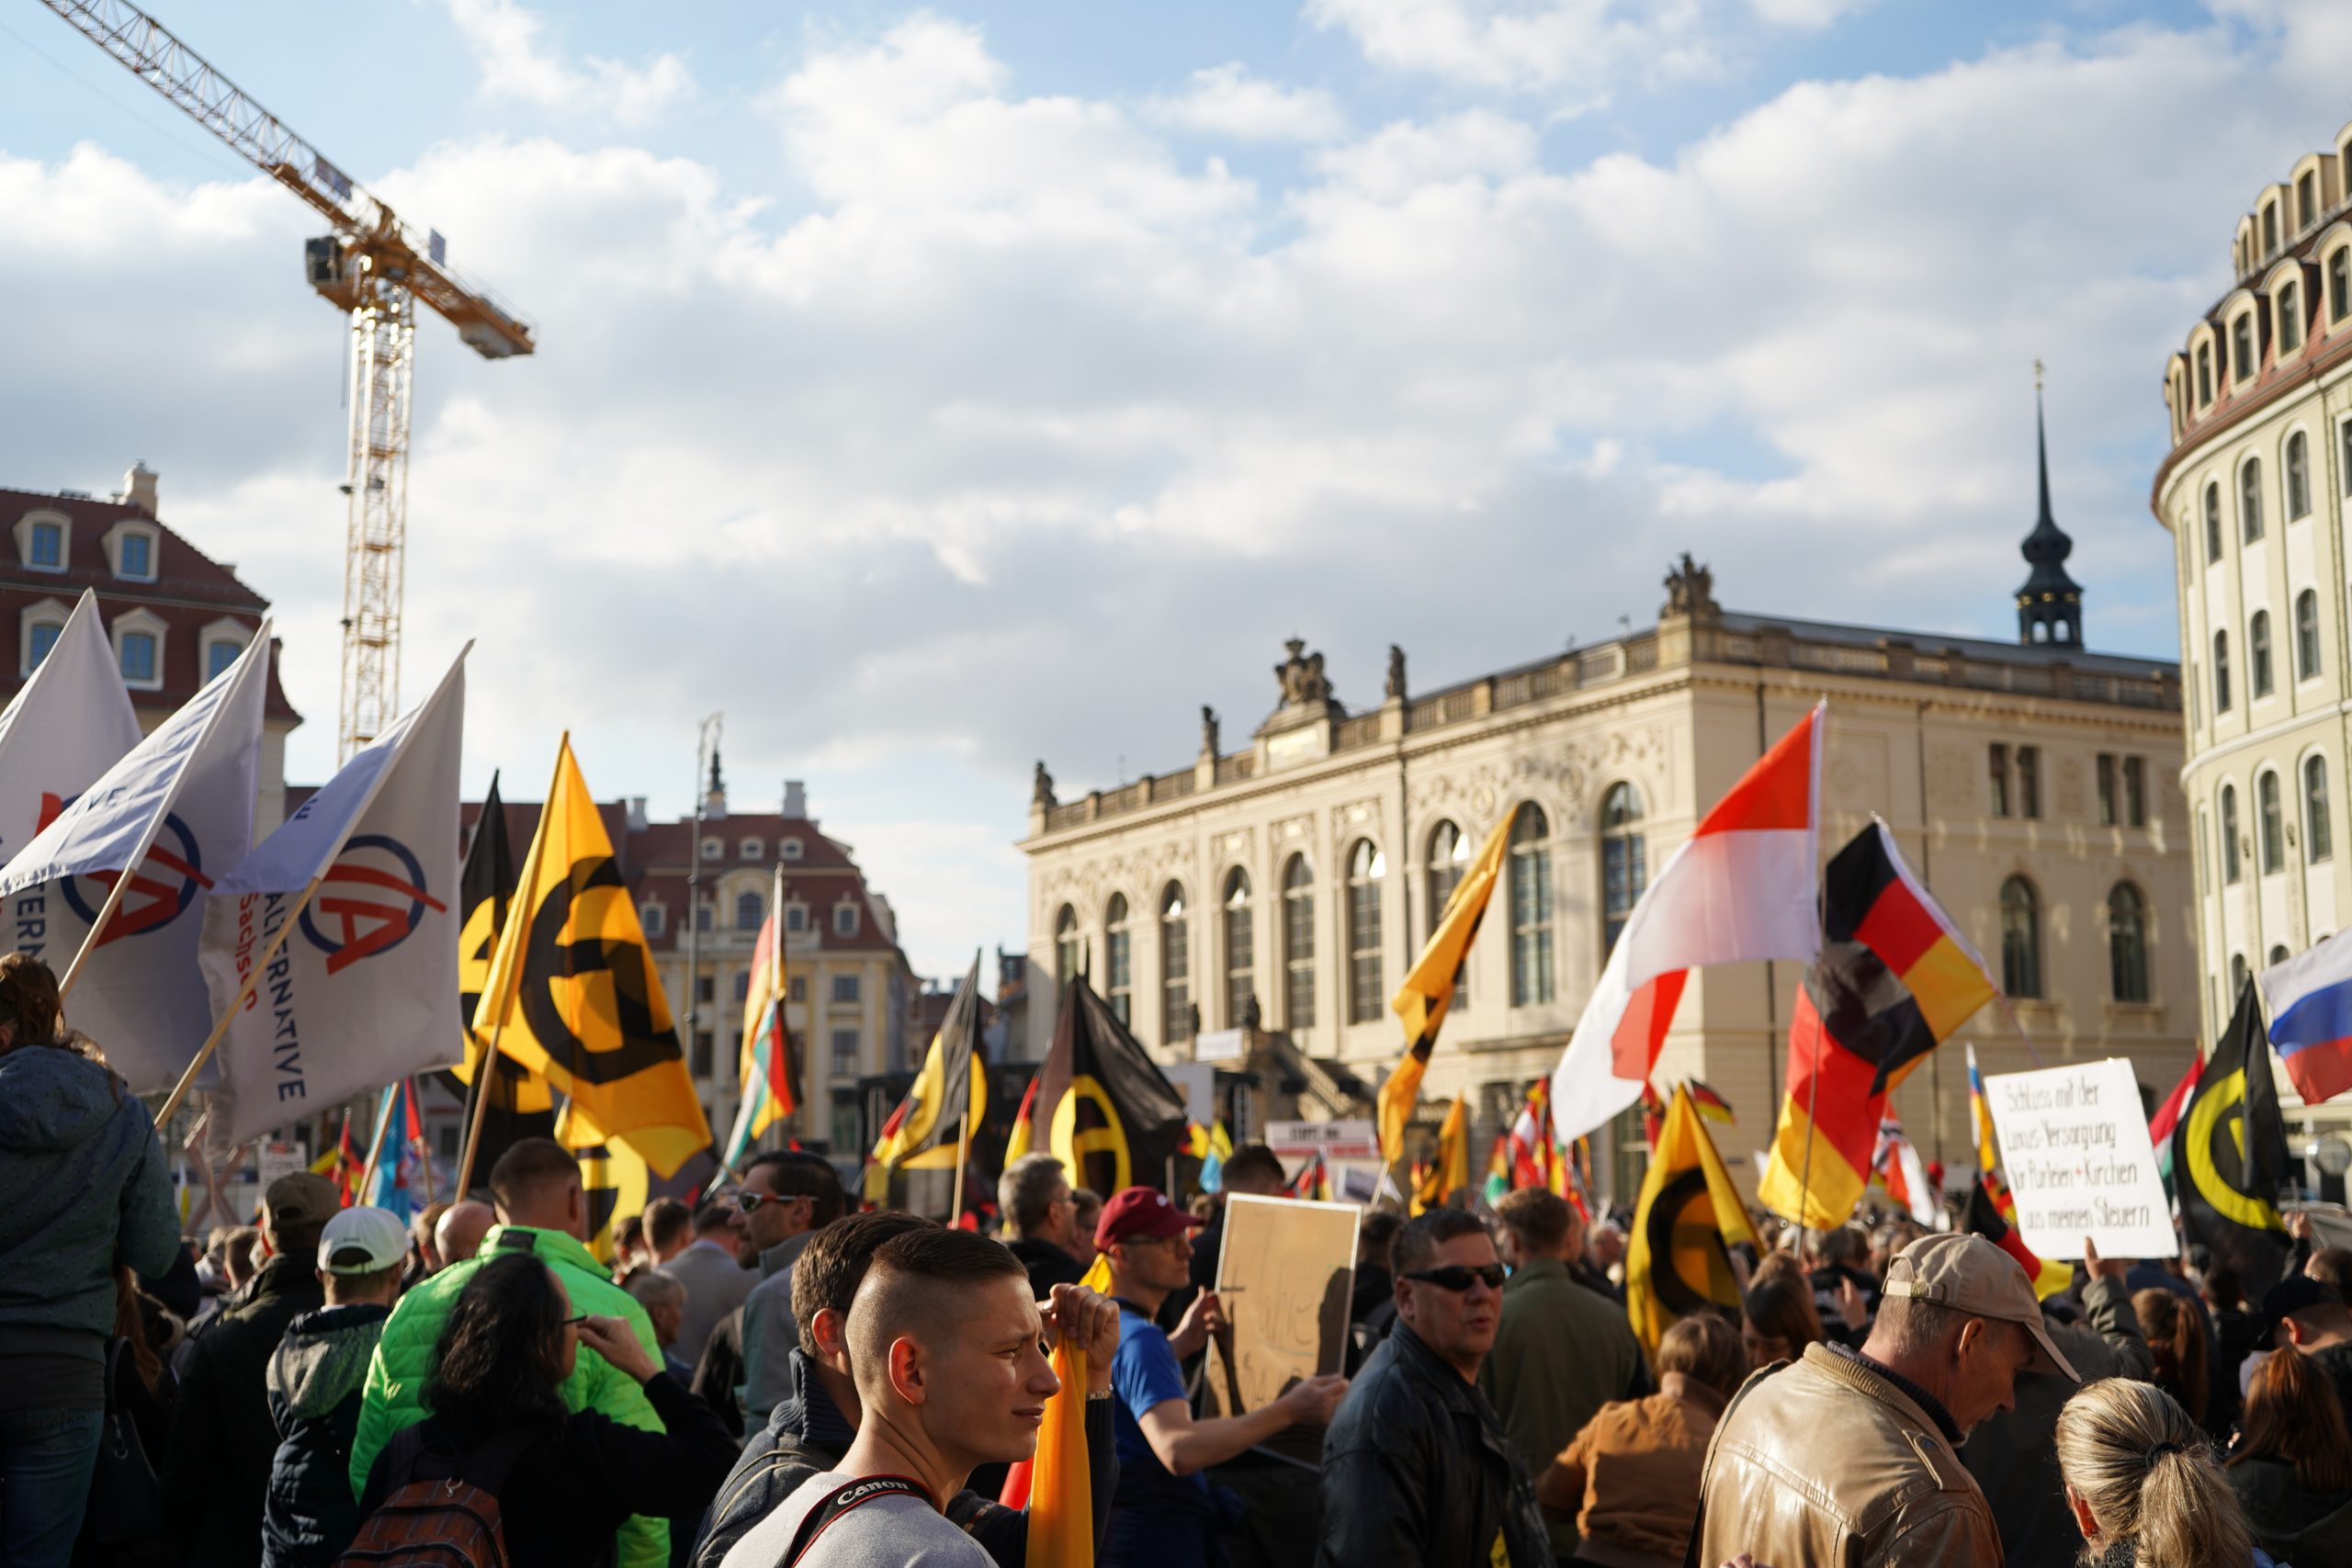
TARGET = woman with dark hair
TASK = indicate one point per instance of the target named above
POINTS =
(2176, 1339)
(84, 1189)
(2292, 1470)
(1776, 1318)
(506, 1349)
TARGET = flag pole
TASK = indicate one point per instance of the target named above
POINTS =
(375, 1144)
(244, 994)
(1811, 1132)
(424, 1152)
(488, 1064)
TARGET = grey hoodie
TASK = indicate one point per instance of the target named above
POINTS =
(82, 1183)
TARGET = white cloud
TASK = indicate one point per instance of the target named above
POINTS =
(1227, 101)
(517, 62)
(1580, 47)
(1026, 431)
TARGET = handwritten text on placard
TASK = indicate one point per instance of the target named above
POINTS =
(2075, 1148)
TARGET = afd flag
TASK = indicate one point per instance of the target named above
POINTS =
(172, 816)
(364, 989)
(2309, 1000)
(66, 726)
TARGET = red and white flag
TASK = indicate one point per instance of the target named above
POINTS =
(63, 728)
(364, 990)
(174, 814)
(1744, 886)
(1895, 1161)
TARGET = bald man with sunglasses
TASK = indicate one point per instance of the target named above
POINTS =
(1415, 1468)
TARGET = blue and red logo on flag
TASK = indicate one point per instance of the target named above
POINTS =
(372, 899)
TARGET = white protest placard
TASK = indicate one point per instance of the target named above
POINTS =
(2075, 1148)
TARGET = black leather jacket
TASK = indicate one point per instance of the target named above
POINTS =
(807, 1435)
(1416, 1470)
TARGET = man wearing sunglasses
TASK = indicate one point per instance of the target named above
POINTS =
(787, 1196)
(1416, 1468)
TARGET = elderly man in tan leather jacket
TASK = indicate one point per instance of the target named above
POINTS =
(1847, 1459)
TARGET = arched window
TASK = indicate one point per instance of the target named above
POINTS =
(1531, 907)
(2290, 318)
(2237, 976)
(2221, 672)
(1066, 948)
(1449, 858)
(2230, 866)
(2127, 943)
(2214, 522)
(2266, 801)
(1366, 866)
(2257, 654)
(1175, 964)
(1119, 954)
(2299, 476)
(2250, 501)
(2319, 833)
(750, 909)
(2020, 939)
(2306, 634)
(1625, 861)
(2204, 864)
(2339, 284)
(1240, 943)
(1298, 944)
(2242, 347)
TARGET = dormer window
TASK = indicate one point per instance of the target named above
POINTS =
(2205, 375)
(2290, 318)
(38, 627)
(714, 849)
(795, 918)
(44, 638)
(2307, 199)
(219, 644)
(131, 549)
(43, 540)
(751, 849)
(655, 919)
(2339, 284)
(791, 849)
(2242, 347)
(139, 650)
(844, 920)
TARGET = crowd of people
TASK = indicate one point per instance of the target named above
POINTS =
(777, 1376)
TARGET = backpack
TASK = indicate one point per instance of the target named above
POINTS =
(125, 1522)
(439, 1512)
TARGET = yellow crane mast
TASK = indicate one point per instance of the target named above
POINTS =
(372, 265)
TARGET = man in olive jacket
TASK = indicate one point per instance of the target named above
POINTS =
(1562, 1351)
(542, 1210)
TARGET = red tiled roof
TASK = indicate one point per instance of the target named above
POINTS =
(189, 593)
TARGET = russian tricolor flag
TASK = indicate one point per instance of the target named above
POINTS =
(2310, 1001)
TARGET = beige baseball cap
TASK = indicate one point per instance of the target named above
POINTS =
(1970, 1274)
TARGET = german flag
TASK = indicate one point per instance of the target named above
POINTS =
(1710, 1104)
(1894, 979)
(2229, 1154)
(1992, 1213)
(1675, 1261)
(1422, 1001)
(1980, 1117)
(572, 995)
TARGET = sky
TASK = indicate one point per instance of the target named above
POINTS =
(935, 389)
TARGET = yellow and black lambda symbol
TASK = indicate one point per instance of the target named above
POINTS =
(2217, 1155)
(1688, 1269)
(589, 995)
(1092, 1139)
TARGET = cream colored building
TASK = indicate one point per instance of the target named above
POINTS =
(2032, 785)
(2253, 492)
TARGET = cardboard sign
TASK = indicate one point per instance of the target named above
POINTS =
(1349, 1139)
(2075, 1148)
(1283, 1280)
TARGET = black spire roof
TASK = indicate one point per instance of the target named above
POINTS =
(2050, 605)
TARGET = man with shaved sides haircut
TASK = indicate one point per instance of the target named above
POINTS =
(948, 1354)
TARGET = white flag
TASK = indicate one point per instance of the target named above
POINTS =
(179, 810)
(66, 726)
(364, 990)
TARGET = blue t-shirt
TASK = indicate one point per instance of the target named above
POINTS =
(1145, 1374)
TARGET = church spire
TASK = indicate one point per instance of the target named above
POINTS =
(2050, 605)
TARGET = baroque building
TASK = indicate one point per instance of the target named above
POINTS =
(1255, 909)
(2253, 492)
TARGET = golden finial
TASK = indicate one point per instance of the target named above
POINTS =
(2037, 374)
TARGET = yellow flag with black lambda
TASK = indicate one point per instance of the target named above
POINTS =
(519, 1100)
(1676, 1262)
(1422, 1001)
(572, 995)
(617, 1181)
(947, 1102)
(1450, 1172)
(2229, 1154)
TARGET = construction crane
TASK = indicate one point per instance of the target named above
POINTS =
(372, 265)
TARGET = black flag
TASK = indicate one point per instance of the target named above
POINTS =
(1102, 1105)
(520, 1106)
(2230, 1155)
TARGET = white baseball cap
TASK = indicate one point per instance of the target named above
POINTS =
(362, 1240)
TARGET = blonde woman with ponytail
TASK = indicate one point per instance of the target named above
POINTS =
(2144, 1484)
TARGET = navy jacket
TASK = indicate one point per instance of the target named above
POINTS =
(315, 1379)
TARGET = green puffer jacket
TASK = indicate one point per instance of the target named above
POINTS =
(396, 1374)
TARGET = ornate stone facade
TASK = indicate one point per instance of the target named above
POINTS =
(1304, 870)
